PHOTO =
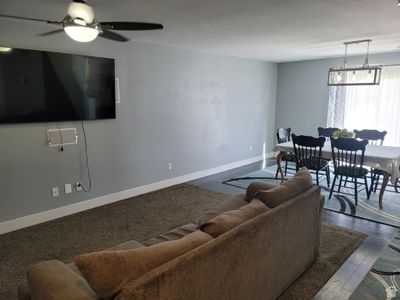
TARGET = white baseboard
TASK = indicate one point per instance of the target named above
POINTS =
(52, 214)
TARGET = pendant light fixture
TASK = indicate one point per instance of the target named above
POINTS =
(363, 75)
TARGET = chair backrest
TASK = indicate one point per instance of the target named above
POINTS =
(283, 135)
(374, 137)
(307, 150)
(348, 153)
(327, 132)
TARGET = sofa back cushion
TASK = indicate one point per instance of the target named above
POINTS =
(230, 219)
(256, 186)
(107, 271)
(233, 202)
(301, 182)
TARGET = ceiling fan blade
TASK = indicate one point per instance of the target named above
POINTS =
(27, 19)
(113, 36)
(131, 26)
(51, 32)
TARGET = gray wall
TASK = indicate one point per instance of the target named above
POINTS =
(303, 94)
(195, 110)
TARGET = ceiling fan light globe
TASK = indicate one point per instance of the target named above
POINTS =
(81, 11)
(81, 34)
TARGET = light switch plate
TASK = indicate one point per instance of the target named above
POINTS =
(68, 188)
(54, 191)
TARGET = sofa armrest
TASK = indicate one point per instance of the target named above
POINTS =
(318, 237)
(52, 279)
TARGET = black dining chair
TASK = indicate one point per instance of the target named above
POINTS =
(327, 132)
(283, 136)
(348, 159)
(308, 150)
(374, 137)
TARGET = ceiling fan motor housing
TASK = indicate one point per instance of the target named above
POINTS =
(80, 10)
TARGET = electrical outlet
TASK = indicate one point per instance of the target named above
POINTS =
(250, 148)
(68, 188)
(169, 166)
(54, 191)
(78, 186)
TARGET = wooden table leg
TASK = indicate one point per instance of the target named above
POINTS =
(385, 181)
(278, 164)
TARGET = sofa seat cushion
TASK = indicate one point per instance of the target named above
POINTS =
(174, 234)
(230, 219)
(234, 202)
(108, 271)
(301, 182)
(256, 186)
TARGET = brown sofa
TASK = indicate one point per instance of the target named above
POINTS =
(257, 259)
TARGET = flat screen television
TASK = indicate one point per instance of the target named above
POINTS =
(41, 86)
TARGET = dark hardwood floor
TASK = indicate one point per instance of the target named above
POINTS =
(347, 278)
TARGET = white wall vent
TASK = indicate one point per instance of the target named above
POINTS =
(62, 136)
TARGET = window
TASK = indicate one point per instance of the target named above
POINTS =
(368, 107)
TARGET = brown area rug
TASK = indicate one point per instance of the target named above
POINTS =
(141, 218)
(337, 244)
(138, 218)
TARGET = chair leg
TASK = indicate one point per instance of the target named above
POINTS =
(332, 187)
(356, 189)
(376, 184)
(286, 168)
(366, 187)
(277, 171)
(345, 181)
(340, 183)
(328, 175)
(317, 175)
(372, 183)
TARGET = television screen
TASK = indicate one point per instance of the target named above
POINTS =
(39, 86)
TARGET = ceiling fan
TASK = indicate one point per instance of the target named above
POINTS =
(81, 26)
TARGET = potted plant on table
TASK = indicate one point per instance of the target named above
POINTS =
(343, 133)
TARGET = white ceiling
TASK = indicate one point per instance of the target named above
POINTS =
(272, 30)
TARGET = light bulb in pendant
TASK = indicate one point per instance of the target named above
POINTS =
(339, 77)
(369, 76)
(353, 77)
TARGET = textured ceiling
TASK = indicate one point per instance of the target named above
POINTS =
(272, 30)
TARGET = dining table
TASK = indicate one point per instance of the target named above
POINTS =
(384, 158)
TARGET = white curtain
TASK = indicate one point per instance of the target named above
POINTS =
(369, 107)
(337, 101)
